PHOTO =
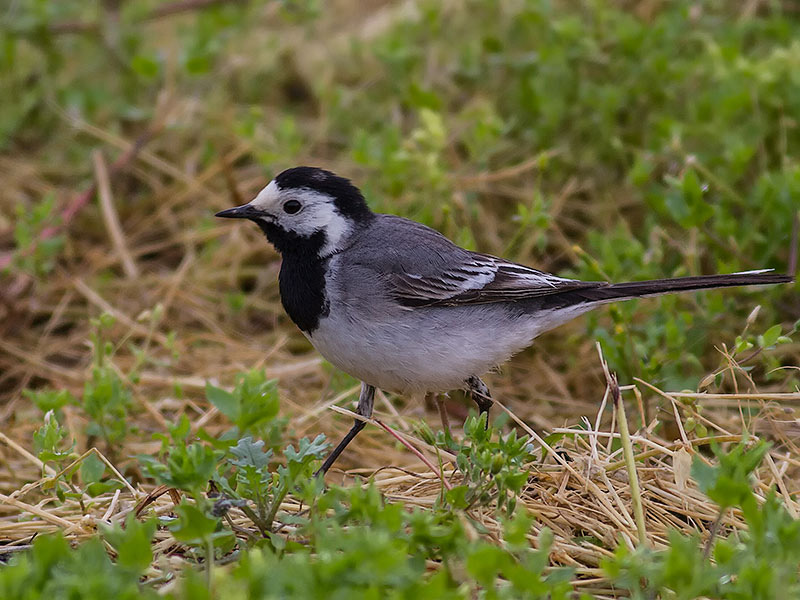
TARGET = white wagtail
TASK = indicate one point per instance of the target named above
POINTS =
(402, 308)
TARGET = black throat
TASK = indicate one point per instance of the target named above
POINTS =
(302, 277)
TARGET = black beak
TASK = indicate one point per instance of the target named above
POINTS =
(245, 211)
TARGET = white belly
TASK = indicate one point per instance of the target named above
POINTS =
(426, 349)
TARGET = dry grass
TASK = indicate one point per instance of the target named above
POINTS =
(128, 252)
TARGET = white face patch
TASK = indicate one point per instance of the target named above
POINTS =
(317, 213)
(268, 198)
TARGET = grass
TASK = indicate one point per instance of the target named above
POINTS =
(144, 352)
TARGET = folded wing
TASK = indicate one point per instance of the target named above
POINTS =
(480, 278)
(420, 267)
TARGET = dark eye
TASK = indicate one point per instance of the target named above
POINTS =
(291, 206)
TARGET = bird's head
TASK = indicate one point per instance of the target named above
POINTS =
(306, 210)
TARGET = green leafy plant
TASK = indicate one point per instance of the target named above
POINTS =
(728, 482)
(36, 253)
(54, 569)
(494, 466)
(252, 405)
(254, 482)
(48, 440)
(131, 543)
(188, 466)
(106, 397)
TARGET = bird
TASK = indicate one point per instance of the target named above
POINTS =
(403, 309)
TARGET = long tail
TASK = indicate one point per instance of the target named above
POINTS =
(638, 289)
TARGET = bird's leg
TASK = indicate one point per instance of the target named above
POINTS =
(480, 394)
(440, 404)
(365, 401)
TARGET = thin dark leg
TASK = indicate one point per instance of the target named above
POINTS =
(365, 401)
(480, 394)
(440, 404)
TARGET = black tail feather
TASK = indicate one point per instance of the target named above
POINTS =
(638, 289)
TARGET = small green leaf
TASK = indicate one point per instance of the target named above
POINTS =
(691, 188)
(132, 543)
(515, 530)
(103, 487)
(771, 336)
(225, 401)
(146, 66)
(192, 525)
(307, 449)
(251, 454)
(92, 469)
(457, 497)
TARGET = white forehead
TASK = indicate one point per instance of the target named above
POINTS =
(268, 197)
